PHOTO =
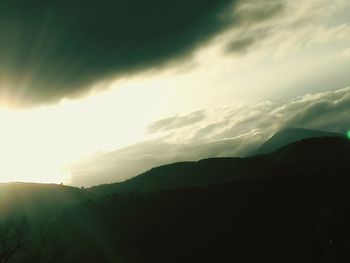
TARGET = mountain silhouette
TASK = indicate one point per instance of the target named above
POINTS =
(289, 135)
(308, 156)
(305, 156)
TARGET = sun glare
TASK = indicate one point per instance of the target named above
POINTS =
(37, 143)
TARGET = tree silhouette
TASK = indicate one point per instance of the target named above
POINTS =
(13, 243)
(19, 244)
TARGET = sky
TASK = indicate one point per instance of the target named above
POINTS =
(96, 92)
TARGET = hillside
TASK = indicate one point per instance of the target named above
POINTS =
(296, 209)
(306, 156)
(291, 205)
(38, 200)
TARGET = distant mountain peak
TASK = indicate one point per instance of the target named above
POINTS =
(290, 135)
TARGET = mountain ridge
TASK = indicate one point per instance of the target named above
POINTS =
(290, 135)
(218, 170)
(303, 157)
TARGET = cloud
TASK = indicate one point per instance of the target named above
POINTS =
(325, 111)
(224, 131)
(54, 49)
(241, 45)
(64, 49)
(176, 122)
(283, 26)
(346, 53)
(252, 12)
(253, 18)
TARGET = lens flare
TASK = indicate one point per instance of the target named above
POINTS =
(348, 134)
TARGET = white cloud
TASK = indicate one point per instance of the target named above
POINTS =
(346, 53)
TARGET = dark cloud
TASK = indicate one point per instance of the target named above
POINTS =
(59, 48)
(252, 12)
(251, 15)
(241, 45)
(176, 122)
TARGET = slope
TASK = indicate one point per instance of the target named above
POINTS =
(296, 210)
(299, 157)
(38, 200)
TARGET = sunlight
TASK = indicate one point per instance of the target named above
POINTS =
(37, 143)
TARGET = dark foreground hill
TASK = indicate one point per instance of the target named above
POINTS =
(286, 219)
(295, 209)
